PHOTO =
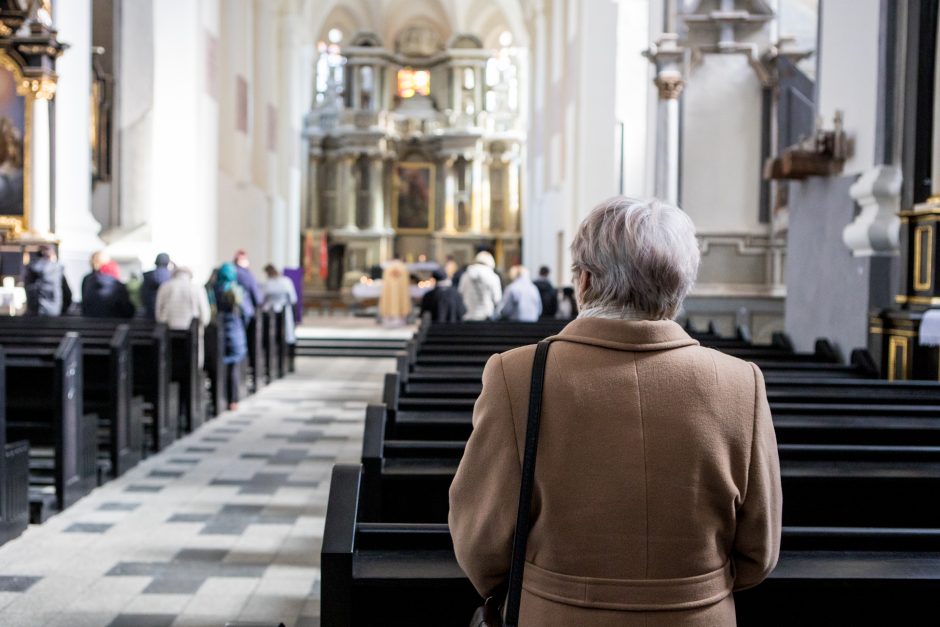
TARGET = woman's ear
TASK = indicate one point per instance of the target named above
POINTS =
(583, 284)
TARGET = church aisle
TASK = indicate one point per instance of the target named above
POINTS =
(224, 525)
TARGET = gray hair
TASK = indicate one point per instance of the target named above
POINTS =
(641, 255)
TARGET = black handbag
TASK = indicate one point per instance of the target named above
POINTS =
(489, 614)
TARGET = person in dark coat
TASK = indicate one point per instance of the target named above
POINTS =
(103, 294)
(229, 298)
(47, 291)
(547, 292)
(253, 296)
(443, 301)
(152, 282)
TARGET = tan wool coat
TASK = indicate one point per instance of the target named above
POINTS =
(657, 482)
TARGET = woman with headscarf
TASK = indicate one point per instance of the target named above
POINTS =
(228, 298)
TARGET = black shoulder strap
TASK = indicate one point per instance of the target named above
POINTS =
(521, 536)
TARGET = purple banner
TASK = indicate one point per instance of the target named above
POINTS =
(296, 275)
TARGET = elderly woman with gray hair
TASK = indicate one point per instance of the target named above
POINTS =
(657, 484)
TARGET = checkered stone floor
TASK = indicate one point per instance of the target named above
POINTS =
(224, 525)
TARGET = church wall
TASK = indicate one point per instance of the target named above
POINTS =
(74, 224)
(848, 71)
(185, 144)
(830, 291)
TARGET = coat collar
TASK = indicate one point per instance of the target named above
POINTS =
(625, 335)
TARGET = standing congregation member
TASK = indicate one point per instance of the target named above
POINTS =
(395, 299)
(443, 301)
(152, 281)
(657, 483)
(480, 287)
(179, 300)
(521, 301)
(246, 279)
(47, 291)
(103, 294)
(281, 295)
(229, 297)
(547, 292)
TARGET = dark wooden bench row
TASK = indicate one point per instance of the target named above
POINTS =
(374, 571)
(44, 406)
(14, 473)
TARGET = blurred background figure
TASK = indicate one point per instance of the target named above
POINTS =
(443, 301)
(249, 284)
(47, 291)
(521, 302)
(480, 287)
(179, 300)
(103, 294)
(395, 300)
(229, 298)
(280, 295)
(153, 279)
(567, 305)
(547, 292)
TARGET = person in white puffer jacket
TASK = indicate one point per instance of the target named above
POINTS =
(480, 288)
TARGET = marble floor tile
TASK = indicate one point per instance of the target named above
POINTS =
(224, 525)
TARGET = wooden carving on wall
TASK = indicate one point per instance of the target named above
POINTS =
(822, 154)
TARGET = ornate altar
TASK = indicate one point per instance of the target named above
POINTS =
(415, 150)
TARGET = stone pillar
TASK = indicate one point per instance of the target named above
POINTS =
(75, 225)
(355, 86)
(457, 91)
(351, 192)
(476, 193)
(512, 201)
(485, 195)
(668, 57)
(313, 192)
(40, 167)
(376, 192)
(450, 189)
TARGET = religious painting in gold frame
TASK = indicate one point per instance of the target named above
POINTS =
(414, 197)
(15, 121)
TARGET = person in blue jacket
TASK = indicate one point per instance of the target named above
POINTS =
(229, 298)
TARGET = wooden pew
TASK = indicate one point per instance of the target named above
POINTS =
(106, 390)
(150, 350)
(373, 571)
(14, 473)
(214, 367)
(63, 439)
(184, 369)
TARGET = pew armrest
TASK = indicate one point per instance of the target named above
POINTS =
(339, 539)
(391, 390)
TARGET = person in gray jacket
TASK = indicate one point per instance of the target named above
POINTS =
(47, 293)
(521, 301)
(480, 288)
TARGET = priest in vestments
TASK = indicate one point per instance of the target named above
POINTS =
(395, 299)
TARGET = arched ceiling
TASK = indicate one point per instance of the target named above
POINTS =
(485, 18)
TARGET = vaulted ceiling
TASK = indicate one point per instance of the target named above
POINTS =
(387, 18)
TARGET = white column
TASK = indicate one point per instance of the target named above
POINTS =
(668, 57)
(346, 194)
(485, 195)
(667, 149)
(75, 226)
(476, 193)
(313, 192)
(450, 189)
(376, 193)
(40, 168)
